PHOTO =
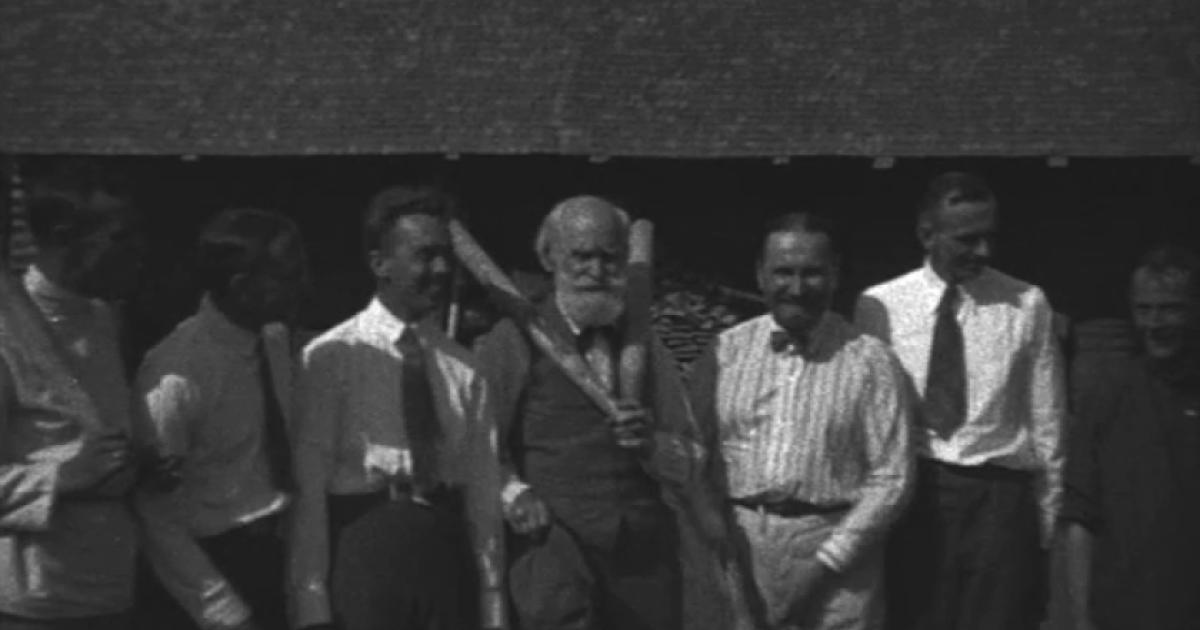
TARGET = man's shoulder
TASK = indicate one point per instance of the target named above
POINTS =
(896, 288)
(185, 349)
(741, 333)
(344, 333)
(1006, 286)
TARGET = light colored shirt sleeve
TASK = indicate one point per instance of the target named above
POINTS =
(483, 503)
(319, 413)
(27, 489)
(505, 358)
(170, 402)
(885, 409)
(1047, 395)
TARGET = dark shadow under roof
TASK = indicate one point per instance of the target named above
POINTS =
(684, 78)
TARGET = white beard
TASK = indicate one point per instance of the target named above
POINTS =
(590, 309)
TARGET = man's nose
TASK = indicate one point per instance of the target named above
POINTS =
(983, 249)
(440, 265)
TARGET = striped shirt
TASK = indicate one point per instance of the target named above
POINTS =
(828, 425)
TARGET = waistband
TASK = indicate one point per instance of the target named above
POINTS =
(790, 508)
(988, 472)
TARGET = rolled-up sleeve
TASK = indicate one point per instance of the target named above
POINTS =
(1048, 406)
(169, 401)
(318, 413)
(884, 409)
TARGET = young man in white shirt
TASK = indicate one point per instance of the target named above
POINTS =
(397, 523)
(980, 348)
(216, 390)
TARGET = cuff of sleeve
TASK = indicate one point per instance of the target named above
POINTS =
(310, 606)
(511, 491)
(223, 608)
(42, 491)
(836, 553)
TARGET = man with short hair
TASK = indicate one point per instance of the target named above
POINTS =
(811, 418)
(68, 446)
(594, 545)
(980, 348)
(1132, 496)
(397, 523)
(217, 391)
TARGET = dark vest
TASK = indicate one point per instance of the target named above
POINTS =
(566, 451)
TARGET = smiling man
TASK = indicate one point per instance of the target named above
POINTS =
(1133, 470)
(980, 348)
(811, 418)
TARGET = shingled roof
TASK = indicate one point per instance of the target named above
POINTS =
(692, 78)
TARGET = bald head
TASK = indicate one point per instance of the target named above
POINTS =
(584, 242)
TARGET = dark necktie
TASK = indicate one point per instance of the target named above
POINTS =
(276, 446)
(946, 383)
(420, 412)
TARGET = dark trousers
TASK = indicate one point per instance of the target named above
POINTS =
(104, 622)
(250, 557)
(401, 564)
(967, 555)
(559, 582)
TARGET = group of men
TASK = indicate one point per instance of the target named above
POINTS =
(905, 469)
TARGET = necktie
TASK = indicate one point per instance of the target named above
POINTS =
(596, 346)
(278, 451)
(946, 383)
(420, 413)
(783, 341)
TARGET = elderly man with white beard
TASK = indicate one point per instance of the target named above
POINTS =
(593, 545)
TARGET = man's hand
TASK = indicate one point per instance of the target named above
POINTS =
(98, 457)
(527, 514)
(812, 578)
(632, 426)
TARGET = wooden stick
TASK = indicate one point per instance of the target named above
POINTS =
(514, 304)
(639, 297)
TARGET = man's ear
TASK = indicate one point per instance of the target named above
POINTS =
(378, 264)
(546, 257)
(925, 232)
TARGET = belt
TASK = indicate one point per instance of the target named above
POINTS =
(790, 508)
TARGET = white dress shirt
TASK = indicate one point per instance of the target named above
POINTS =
(1015, 395)
(828, 425)
(351, 440)
(202, 392)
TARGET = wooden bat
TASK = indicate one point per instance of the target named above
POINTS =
(639, 297)
(513, 303)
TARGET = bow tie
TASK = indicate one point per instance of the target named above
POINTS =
(783, 341)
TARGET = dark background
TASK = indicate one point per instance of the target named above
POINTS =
(1075, 230)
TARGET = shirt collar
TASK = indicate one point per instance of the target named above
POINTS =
(224, 331)
(814, 342)
(933, 287)
(384, 323)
